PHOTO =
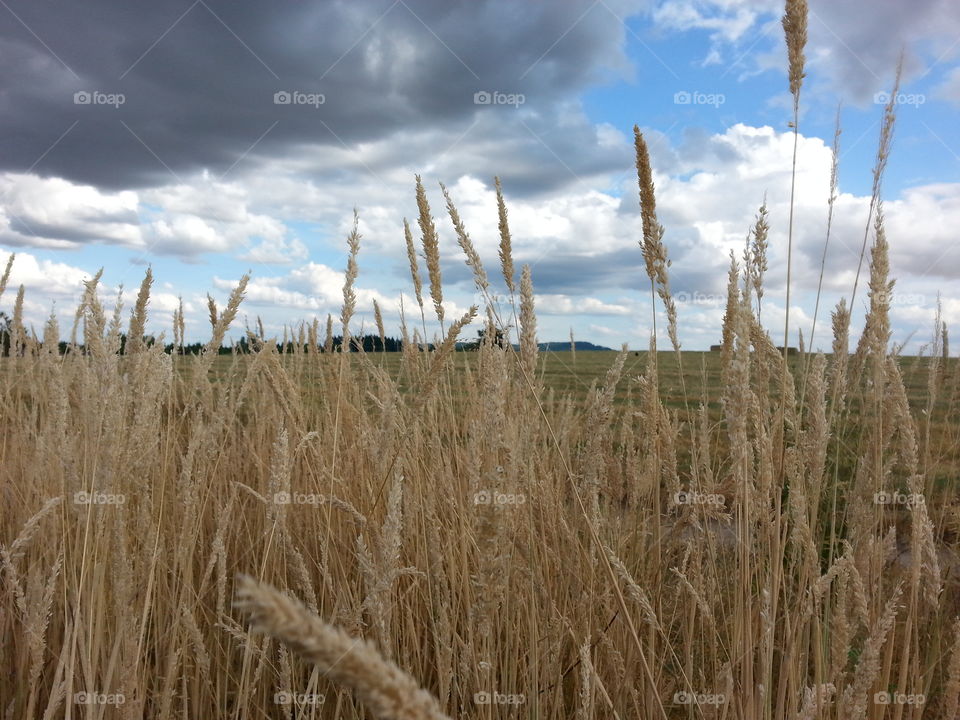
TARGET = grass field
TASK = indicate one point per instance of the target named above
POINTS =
(574, 375)
(404, 523)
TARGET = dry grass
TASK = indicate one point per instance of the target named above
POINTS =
(467, 537)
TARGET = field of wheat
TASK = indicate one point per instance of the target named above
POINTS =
(492, 534)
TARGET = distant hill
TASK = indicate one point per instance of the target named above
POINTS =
(547, 346)
(565, 346)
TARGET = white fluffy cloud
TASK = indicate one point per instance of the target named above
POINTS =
(187, 220)
(43, 277)
(581, 243)
(211, 216)
(54, 213)
(853, 50)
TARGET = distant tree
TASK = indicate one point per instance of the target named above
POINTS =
(499, 339)
(4, 334)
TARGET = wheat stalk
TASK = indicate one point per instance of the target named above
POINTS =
(389, 692)
(431, 250)
(506, 248)
(466, 244)
(6, 273)
(349, 294)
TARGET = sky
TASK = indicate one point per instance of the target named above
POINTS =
(209, 138)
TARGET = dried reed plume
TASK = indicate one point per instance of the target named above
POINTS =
(414, 269)
(431, 250)
(794, 23)
(758, 253)
(466, 244)
(506, 250)
(879, 167)
(654, 251)
(179, 327)
(349, 295)
(6, 273)
(378, 319)
(528, 324)
(831, 202)
(389, 692)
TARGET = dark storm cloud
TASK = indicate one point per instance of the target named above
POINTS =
(621, 269)
(198, 80)
(565, 273)
(864, 46)
(569, 274)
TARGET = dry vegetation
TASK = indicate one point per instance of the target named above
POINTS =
(463, 539)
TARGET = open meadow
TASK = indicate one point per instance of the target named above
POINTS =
(550, 530)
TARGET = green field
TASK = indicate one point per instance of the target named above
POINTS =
(574, 375)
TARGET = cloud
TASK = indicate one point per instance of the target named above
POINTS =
(54, 213)
(582, 243)
(949, 89)
(853, 52)
(276, 252)
(728, 25)
(564, 305)
(44, 278)
(186, 220)
(314, 288)
(211, 216)
(198, 87)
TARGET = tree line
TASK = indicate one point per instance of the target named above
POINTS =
(251, 343)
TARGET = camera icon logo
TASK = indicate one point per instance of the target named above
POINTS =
(482, 98)
(281, 97)
(281, 498)
(82, 97)
(682, 98)
(881, 98)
